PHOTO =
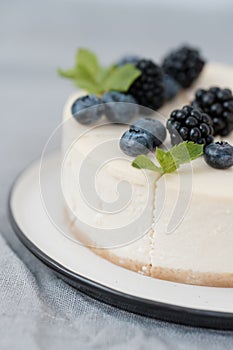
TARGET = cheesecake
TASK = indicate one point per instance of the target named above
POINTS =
(178, 227)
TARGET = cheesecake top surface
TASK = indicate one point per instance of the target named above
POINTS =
(202, 178)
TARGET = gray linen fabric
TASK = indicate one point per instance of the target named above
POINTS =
(38, 310)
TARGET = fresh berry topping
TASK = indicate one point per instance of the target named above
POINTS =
(87, 109)
(184, 65)
(154, 128)
(136, 142)
(219, 155)
(171, 87)
(190, 124)
(119, 108)
(218, 103)
(148, 88)
(133, 59)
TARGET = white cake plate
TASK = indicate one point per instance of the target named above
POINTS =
(185, 304)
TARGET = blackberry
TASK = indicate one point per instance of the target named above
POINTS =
(148, 89)
(190, 124)
(184, 65)
(218, 103)
(133, 59)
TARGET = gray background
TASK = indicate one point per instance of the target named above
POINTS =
(37, 310)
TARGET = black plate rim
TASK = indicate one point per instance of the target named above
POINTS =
(144, 307)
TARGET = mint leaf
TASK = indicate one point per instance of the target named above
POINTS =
(170, 160)
(87, 85)
(120, 78)
(103, 73)
(143, 162)
(88, 60)
(69, 74)
(88, 74)
(166, 160)
(195, 150)
(85, 80)
(85, 72)
(186, 151)
(81, 78)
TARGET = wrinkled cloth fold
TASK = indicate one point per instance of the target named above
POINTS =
(40, 311)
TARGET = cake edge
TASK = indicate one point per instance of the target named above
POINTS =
(190, 277)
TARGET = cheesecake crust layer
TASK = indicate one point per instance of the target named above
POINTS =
(209, 279)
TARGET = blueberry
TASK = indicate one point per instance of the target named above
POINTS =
(154, 128)
(171, 87)
(133, 59)
(119, 108)
(87, 109)
(219, 155)
(134, 143)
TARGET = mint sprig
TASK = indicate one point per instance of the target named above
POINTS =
(143, 162)
(88, 74)
(171, 160)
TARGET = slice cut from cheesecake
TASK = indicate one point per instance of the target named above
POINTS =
(178, 227)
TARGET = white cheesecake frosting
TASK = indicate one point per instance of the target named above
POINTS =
(180, 222)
